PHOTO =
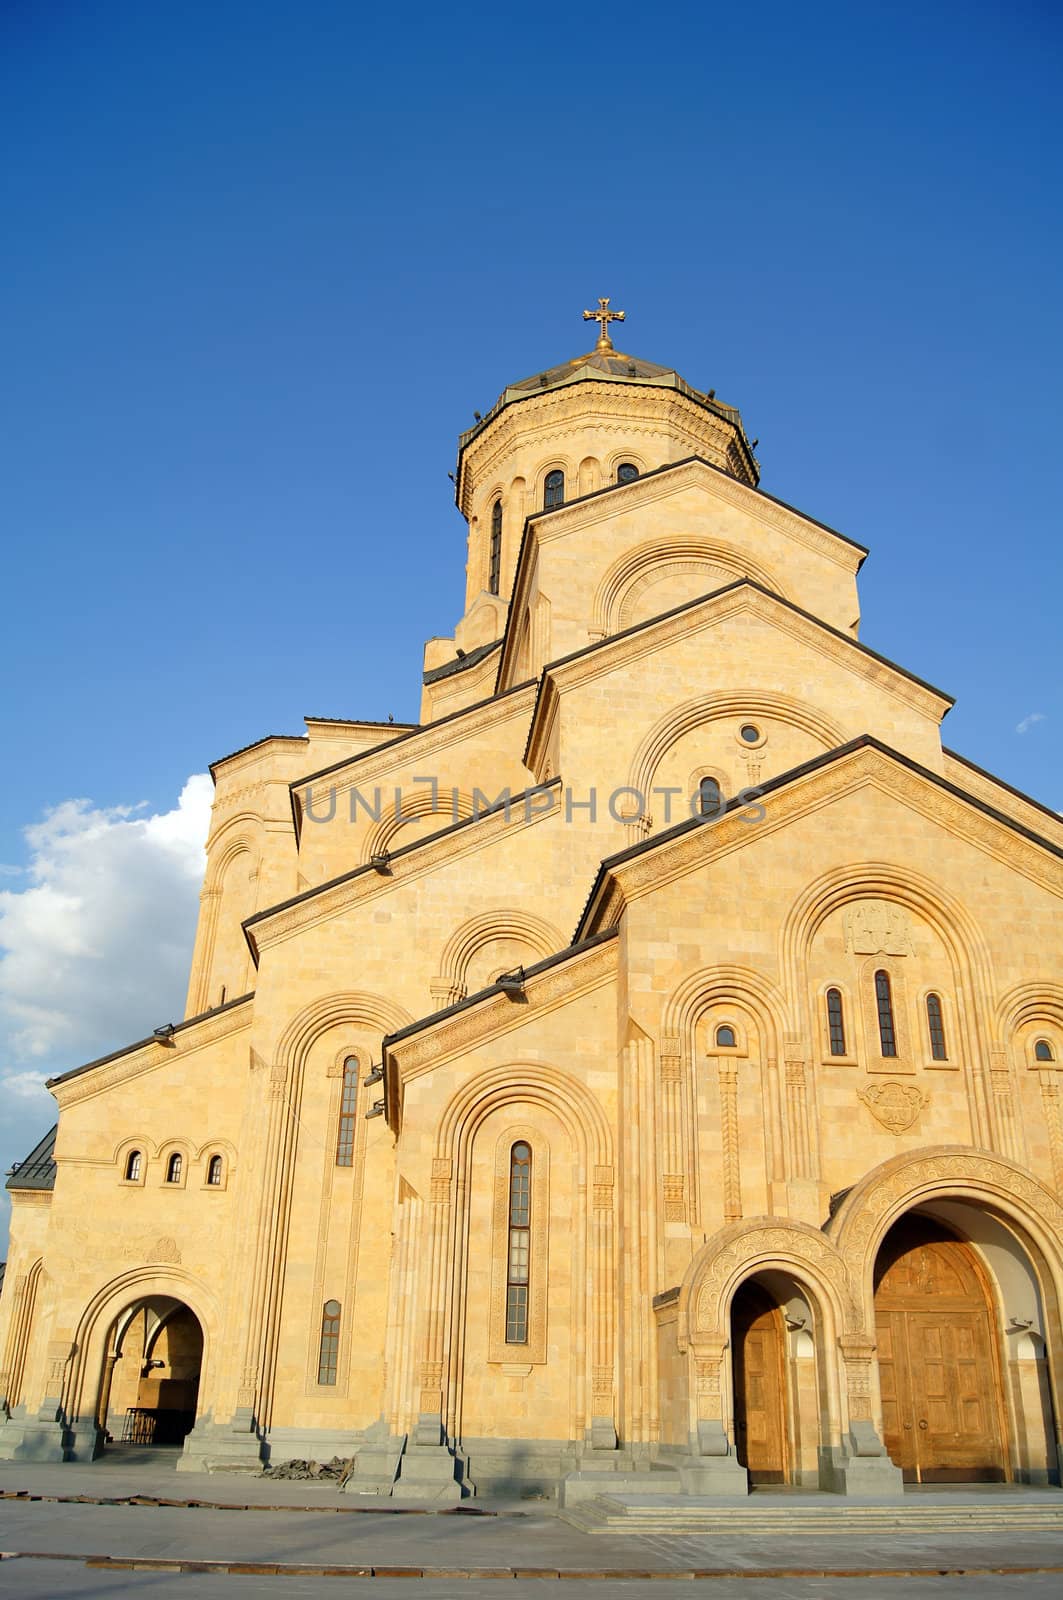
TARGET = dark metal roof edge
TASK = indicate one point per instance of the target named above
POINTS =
(1020, 794)
(394, 855)
(471, 658)
(555, 960)
(362, 722)
(266, 738)
(39, 1162)
(420, 727)
(771, 785)
(128, 1049)
(810, 616)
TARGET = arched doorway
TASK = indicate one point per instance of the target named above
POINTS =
(759, 1367)
(942, 1397)
(151, 1374)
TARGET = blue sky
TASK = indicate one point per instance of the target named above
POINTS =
(262, 262)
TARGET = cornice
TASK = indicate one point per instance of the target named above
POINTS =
(246, 757)
(792, 797)
(412, 861)
(93, 1079)
(555, 410)
(482, 1018)
(693, 616)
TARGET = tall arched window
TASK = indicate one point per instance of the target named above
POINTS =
(1042, 1051)
(626, 472)
(935, 1021)
(887, 1034)
(836, 1022)
(214, 1167)
(133, 1166)
(554, 490)
(348, 1107)
(517, 1268)
(710, 798)
(173, 1168)
(494, 580)
(329, 1349)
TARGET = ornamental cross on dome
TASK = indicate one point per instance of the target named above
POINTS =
(603, 317)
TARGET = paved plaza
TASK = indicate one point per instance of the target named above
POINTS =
(72, 1530)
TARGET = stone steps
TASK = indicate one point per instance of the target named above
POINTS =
(683, 1514)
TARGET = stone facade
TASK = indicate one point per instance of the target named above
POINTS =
(632, 899)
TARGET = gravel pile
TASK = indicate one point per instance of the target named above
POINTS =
(338, 1470)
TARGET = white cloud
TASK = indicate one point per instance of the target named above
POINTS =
(27, 1086)
(1028, 721)
(95, 950)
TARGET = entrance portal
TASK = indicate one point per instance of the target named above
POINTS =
(151, 1379)
(941, 1389)
(759, 1360)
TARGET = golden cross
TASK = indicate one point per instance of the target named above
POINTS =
(603, 317)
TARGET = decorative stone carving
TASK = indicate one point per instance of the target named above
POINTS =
(877, 927)
(895, 1105)
(674, 1199)
(164, 1252)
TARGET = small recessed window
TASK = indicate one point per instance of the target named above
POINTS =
(554, 491)
(494, 579)
(328, 1354)
(935, 1022)
(174, 1167)
(749, 732)
(887, 1032)
(836, 1022)
(626, 472)
(1042, 1051)
(710, 798)
(725, 1037)
(133, 1166)
(214, 1171)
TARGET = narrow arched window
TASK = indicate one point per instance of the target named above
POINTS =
(133, 1166)
(725, 1037)
(519, 1262)
(214, 1171)
(836, 1022)
(329, 1349)
(554, 490)
(710, 798)
(1042, 1051)
(935, 1021)
(348, 1104)
(173, 1168)
(626, 472)
(494, 581)
(887, 1033)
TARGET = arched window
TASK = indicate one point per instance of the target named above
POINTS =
(725, 1037)
(836, 1022)
(214, 1171)
(494, 580)
(519, 1244)
(626, 472)
(935, 1021)
(348, 1103)
(173, 1168)
(710, 798)
(329, 1349)
(1042, 1051)
(133, 1166)
(554, 490)
(887, 1034)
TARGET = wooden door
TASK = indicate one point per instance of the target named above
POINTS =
(941, 1395)
(758, 1351)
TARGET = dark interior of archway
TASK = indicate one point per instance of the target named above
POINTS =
(759, 1366)
(152, 1392)
(942, 1401)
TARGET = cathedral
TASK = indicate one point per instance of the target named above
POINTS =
(642, 1074)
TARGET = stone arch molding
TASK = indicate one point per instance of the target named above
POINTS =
(354, 1008)
(628, 575)
(939, 1172)
(534, 1081)
(1030, 1003)
(759, 1244)
(725, 984)
(682, 719)
(466, 940)
(450, 806)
